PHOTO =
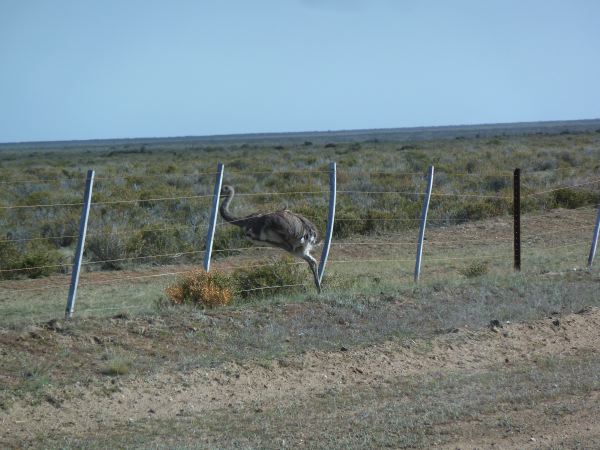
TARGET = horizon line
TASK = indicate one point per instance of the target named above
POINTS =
(255, 135)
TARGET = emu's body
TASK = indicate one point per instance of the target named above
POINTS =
(283, 229)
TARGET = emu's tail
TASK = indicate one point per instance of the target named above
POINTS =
(310, 231)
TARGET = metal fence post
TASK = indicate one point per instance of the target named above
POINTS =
(517, 219)
(213, 217)
(85, 213)
(423, 224)
(330, 219)
(594, 239)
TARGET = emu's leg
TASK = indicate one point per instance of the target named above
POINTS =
(312, 262)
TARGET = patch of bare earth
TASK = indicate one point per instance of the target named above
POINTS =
(97, 410)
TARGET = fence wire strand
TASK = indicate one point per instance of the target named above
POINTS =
(338, 244)
(93, 233)
(563, 187)
(535, 249)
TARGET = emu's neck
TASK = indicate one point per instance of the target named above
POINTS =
(224, 210)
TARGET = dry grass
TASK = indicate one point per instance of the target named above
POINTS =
(413, 412)
(476, 269)
(500, 404)
(467, 280)
(200, 288)
(143, 228)
(116, 367)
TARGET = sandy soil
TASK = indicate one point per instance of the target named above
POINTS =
(87, 411)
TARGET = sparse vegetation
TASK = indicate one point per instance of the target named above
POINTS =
(164, 170)
(571, 198)
(33, 260)
(284, 275)
(476, 269)
(116, 366)
(200, 340)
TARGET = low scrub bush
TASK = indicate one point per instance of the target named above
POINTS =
(284, 272)
(63, 230)
(38, 198)
(147, 198)
(483, 209)
(107, 247)
(385, 221)
(227, 238)
(476, 269)
(200, 288)
(116, 367)
(349, 223)
(568, 158)
(32, 261)
(153, 241)
(496, 183)
(40, 262)
(9, 258)
(571, 198)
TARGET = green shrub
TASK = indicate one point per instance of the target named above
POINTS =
(496, 183)
(36, 258)
(287, 271)
(116, 366)
(379, 221)
(150, 242)
(226, 238)
(107, 247)
(571, 198)
(483, 209)
(471, 166)
(148, 198)
(38, 198)
(568, 158)
(418, 160)
(238, 164)
(10, 257)
(63, 229)
(348, 223)
(545, 164)
(32, 258)
(476, 269)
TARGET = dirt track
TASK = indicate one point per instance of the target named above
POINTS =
(86, 411)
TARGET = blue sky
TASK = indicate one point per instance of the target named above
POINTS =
(84, 69)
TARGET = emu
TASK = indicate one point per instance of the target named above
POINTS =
(283, 229)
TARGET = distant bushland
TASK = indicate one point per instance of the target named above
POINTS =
(167, 185)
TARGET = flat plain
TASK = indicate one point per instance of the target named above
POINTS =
(475, 355)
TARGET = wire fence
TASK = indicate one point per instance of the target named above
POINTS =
(445, 245)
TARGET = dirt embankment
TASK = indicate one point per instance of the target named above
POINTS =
(85, 410)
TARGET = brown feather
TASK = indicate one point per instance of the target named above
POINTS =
(284, 229)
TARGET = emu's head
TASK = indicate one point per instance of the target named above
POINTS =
(227, 190)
